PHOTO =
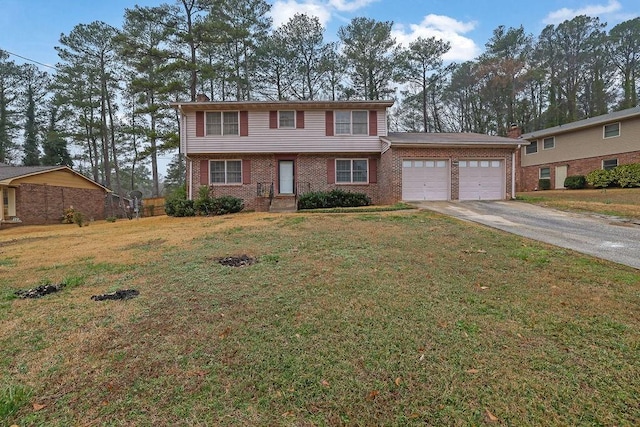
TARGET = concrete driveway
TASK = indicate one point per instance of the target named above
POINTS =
(603, 237)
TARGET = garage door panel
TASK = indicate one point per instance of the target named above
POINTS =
(425, 179)
(481, 180)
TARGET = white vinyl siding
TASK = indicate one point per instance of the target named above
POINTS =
(262, 139)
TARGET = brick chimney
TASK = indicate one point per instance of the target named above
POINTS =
(201, 97)
(514, 132)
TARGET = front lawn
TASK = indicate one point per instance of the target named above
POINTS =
(622, 202)
(367, 318)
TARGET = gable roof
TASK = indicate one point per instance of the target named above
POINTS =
(629, 113)
(446, 139)
(9, 173)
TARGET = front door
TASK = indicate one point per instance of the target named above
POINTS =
(285, 176)
(561, 175)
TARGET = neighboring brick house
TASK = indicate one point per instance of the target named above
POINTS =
(577, 148)
(268, 153)
(40, 194)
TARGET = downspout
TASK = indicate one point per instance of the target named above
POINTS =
(513, 173)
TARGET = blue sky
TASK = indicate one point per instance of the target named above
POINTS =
(31, 28)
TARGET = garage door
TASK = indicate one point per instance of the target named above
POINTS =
(426, 179)
(482, 180)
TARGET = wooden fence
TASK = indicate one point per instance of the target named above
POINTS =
(153, 206)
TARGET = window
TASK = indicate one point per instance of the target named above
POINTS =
(532, 148)
(225, 171)
(545, 173)
(352, 171)
(8, 202)
(222, 123)
(549, 143)
(352, 123)
(287, 119)
(609, 164)
(612, 130)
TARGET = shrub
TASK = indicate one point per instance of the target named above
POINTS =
(178, 205)
(111, 219)
(67, 217)
(544, 184)
(599, 178)
(575, 182)
(78, 218)
(207, 205)
(332, 199)
(627, 175)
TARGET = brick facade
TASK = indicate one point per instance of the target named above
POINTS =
(45, 204)
(531, 174)
(391, 166)
(310, 172)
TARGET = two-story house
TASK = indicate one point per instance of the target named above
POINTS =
(264, 152)
(577, 148)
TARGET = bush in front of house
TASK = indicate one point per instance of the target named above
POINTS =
(544, 184)
(207, 205)
(332, 199)
(600, 178)
(575, 182)
(176, 204)
(627, 175)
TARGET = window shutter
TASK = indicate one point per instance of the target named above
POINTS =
(199, 123)
(244, 123)
(204, 172)
(299, 119)
(331, 171)
(273, 120)
(373, 123)
(246, 171)
(328, 123)
(373, 171)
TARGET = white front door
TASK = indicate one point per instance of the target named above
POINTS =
(285, 176)
(561, 175)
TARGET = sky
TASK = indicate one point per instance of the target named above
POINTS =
(32, 28)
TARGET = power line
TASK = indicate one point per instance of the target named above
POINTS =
(30, 60)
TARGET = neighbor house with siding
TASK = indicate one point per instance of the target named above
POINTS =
(268, 153)
(577, 148)
(41, 194)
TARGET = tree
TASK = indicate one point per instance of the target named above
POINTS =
(624, 51)
(9, 78)
(54, 146)
(34, 90)
(370, 54)
(421, 66)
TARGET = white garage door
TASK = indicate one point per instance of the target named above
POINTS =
(425, 179)
(482, 180)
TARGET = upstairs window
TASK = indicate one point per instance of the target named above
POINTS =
(549, 143)
(531, 148)
(609, 164)
(222, 123)
(612, 130)
(286, 119)
(352, 122)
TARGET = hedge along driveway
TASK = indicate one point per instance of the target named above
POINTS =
(602, 237)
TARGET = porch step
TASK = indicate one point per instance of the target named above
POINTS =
(283, 204)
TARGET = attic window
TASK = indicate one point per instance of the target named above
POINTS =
(611, 130)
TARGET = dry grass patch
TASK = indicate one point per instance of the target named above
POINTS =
(623, 202)
(399, 318)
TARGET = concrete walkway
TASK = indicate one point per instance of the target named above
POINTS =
(608, 238)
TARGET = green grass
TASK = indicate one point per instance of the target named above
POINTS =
(400, 318)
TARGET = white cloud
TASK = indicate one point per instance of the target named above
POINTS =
(282, 11)
(445, 28)
(564, 14)
(349, 5)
